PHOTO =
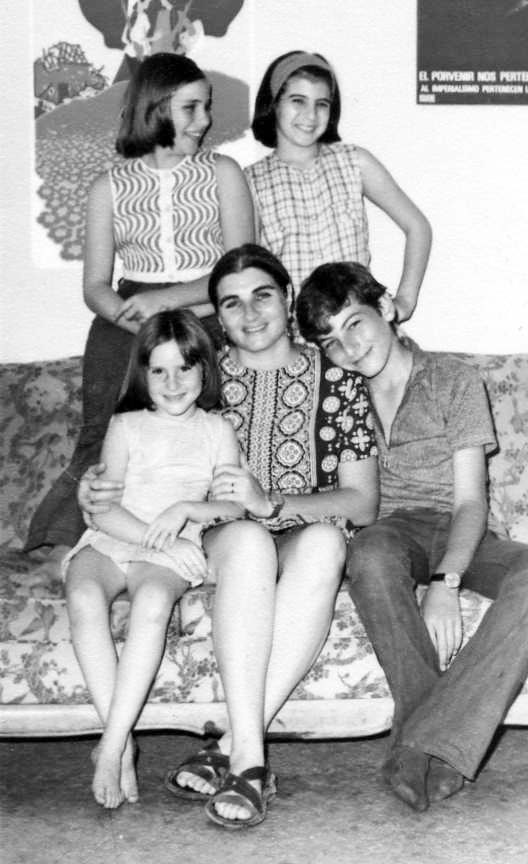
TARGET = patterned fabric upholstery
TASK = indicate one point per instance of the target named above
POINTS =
(40, 420)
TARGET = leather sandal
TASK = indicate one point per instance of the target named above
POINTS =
(210, 764)
(237, 790)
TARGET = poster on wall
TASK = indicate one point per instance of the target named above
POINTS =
(472, 52)
(84, 53)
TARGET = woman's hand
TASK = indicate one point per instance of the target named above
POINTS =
(231, 483)
(164, 529)
(95, 495)
(140, 307)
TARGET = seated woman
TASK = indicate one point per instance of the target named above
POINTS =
(309, 477)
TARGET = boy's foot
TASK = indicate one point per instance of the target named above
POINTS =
(405, 771)
(442, 780)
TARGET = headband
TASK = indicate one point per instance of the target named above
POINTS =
(290, 64)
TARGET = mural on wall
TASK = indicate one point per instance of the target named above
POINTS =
(472, 52)
(78, 100)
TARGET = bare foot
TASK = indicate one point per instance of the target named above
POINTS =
(50, 567)
(129, 785)
(106, 783)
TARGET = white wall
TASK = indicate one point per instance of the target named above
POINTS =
(466, 166)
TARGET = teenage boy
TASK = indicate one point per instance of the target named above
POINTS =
(434, 429)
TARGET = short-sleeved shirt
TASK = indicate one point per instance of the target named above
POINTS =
(299, 423)
(311, 216)
(444, 409)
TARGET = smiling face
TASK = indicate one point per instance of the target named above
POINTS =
(172, 384)
(253, 311)
(360, 337)
(302, 112)
(190, 107)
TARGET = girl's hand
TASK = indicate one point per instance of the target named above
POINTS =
(164, 529)
(140, 307)
(189, 559)
(95, 495)
(231, 483)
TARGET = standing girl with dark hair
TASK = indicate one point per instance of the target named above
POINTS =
(164, 448)
(309, 193)
(169, 211)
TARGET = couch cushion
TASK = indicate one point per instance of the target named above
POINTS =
(41, 410)
(506, 379)
(39, 666)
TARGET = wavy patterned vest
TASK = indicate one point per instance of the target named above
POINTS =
(167, 222)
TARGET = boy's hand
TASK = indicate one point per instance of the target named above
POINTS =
(164, 529)
(443, 619)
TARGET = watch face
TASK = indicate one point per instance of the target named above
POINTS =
(452, 580)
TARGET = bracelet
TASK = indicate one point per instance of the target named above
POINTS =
(277, 500)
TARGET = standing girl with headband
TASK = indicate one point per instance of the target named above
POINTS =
(169, 210)
(309, 193)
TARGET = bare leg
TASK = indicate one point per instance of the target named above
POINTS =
(92, 582)
(244, 559)
(311, 564)
(153, 591)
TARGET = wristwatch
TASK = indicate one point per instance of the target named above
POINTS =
(450, 580)
(277, 502)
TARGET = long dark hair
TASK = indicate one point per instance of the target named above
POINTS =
(174, 325)
(146, 120)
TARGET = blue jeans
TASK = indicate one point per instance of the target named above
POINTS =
(451, 715)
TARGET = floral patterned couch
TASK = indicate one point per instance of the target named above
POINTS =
(41, 688)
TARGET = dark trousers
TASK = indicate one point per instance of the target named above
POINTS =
(452, 715)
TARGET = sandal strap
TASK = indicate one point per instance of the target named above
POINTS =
(236, 789)
(209, 763)
(258, 772)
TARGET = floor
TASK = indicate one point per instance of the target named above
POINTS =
(331, 809)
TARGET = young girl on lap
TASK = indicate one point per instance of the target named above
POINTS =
(164, 447)
(309, 193)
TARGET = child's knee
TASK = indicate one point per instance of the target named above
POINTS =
(154, 600)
